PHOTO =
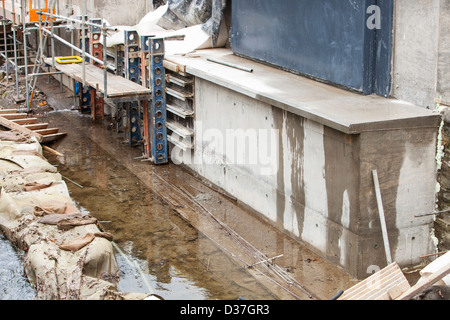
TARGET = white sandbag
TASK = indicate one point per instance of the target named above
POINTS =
(84, 271)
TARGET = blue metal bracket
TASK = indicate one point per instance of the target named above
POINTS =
(158, 111)
(94, 35)
(85, 97)
(134, 116)
(132, 73)
(132, 58)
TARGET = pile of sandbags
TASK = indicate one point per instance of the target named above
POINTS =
(68, 256)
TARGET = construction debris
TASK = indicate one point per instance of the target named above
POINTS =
(21, 123)
(391, 284)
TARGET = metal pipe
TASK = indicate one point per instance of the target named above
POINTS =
(52, 40)
(6, 48)
(44, 74)
(82, 21)
(105, 65)
(15, 61)
(24, 26)
(77, 49)
(387, 248)
(40, 54)
(5, 42)
(231, 65)
(83, 41)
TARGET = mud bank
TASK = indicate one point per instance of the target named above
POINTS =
(67, 255)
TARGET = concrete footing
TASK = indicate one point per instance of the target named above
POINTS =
(301, 154)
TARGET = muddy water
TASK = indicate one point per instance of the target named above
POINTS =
(158, 251)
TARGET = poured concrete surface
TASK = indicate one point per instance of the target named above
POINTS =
(336, 108)
(313, 178)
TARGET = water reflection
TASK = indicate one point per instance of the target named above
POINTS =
(135, 277)
(176, 261)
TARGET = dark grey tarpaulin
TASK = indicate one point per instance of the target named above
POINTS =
(186, 13)
(334, 41)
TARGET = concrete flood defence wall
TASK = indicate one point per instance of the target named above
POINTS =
(68, 257)
(316, 147)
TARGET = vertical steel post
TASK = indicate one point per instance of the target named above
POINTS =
(105, 61)
(25, 45)
(15, 50)
(158, 115)
(132, 73)
(16, 62)
(52, 37)
(83, 39)
(6, 44)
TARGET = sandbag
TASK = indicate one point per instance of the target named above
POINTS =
(68, 256)
(77, 244)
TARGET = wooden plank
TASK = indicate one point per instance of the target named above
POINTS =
(7, 111)
(42, 135)
(37, 126)
(432, 273)
(53, 137)
(386, 284)
(15, 116)
(17, 127)
(25, 121)
(52, 151)
(428, 282)
(45, 132)
(117, 86)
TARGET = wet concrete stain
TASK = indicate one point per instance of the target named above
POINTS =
(342, 184)
(290, 126)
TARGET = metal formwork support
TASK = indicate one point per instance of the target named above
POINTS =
(97, 106)
(145, 61)
(84, 38)
(85, 97)
(134, 116)
(132, 58)
(132, 73)
(94, 35)
(158, 111)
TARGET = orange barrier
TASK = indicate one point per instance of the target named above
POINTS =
(33, 10)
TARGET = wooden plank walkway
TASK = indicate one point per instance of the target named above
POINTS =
(20, 122)
(387, 284)
(117, 86)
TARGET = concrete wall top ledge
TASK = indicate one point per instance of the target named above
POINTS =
(346, 111)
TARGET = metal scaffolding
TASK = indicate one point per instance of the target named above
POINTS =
(45, 25)
(138, 69)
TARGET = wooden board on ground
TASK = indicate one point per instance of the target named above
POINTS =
(387, 284)
(117, 86)
(20, 122)
(430, 275)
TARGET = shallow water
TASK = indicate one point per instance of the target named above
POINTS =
(159, 252)
(14, 284)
